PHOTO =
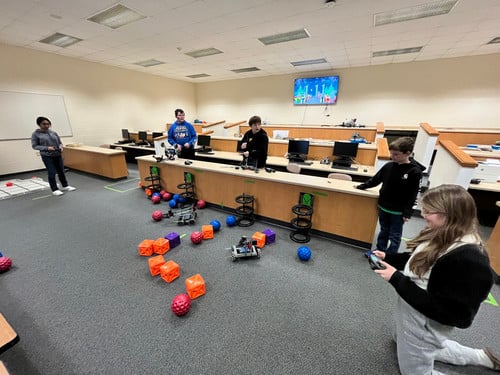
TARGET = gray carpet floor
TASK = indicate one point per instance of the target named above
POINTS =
(83, 301)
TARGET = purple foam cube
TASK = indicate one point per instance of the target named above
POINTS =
(173, 239)
(270, 236)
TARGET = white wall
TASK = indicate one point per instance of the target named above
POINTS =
(100, 100)
(461, 92)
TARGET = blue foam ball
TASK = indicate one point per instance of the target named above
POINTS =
(176, 197)
(181, 199)
(231, 221)
(215, 224)
(304, 253)
(172, 203)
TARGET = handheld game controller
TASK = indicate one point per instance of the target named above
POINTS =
(375, 262)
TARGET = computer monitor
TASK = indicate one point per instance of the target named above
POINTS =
(156, 134)
(297, 149)
(204, 142)
(125, 135)
(344, 153)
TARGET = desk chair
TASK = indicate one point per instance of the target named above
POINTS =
(293, 168)
(340, 176)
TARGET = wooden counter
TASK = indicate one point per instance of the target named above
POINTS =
(8, 336)
(340, 210)
(97, 160)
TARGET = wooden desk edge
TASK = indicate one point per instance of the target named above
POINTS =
(8, 337)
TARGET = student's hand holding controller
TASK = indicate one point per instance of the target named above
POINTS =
(388, 271)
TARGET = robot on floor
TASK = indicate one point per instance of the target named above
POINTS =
(161, 150)
(245, 248)
(185, 216)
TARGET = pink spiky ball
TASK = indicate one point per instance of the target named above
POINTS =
(181, 304)
(5, 264)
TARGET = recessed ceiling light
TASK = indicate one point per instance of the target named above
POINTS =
(412, 13)
(116, 16)
(202, 75)
(148, 63)
(399, 51)
(203, 52)
(285, 37)
(494, 40)
(309, 62)
(61, 40)
(246, 70)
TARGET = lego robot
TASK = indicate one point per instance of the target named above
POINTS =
(245, 248)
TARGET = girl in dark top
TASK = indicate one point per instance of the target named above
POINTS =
(50, 146)
(255, 143)
(440, 284)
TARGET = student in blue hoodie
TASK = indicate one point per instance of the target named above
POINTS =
(182, 136)
(50, 146)
(400, 181)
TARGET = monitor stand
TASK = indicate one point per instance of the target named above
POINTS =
(343, 162)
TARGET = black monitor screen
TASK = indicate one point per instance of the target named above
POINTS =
(297, 147)
(143, 136)
(156, 134)
(345, 149)
(203, 140)
(125, 134)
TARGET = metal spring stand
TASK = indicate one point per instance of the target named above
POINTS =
(188, 187)
(302, 222)
(246, 210)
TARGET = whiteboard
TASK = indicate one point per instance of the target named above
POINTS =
(19, 112)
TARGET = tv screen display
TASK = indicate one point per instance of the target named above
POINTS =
(316, 90)
(298, 147)
(345, 149)
(203, 140)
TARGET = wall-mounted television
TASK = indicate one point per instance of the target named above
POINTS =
(315, 90)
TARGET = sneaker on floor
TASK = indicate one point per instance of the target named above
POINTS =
(57, 192)
(68, 188)
(494, 357)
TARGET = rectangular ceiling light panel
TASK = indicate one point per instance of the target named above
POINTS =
(116, 17)
(285, 37)
(61, 40)
(246, 70)
(412, 13)
(202, 75)
(203, 52)
(494, 40)
(309, 62)
(148, 63)
(399, 51)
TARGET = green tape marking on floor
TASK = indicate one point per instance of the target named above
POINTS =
(183, 235)
(491, 300)
(126, 186)
(405, 239)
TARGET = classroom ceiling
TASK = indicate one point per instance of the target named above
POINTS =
(341, 34)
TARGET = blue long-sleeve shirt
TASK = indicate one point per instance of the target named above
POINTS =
(41, 141)
(180, 134)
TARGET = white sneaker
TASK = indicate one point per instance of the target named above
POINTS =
(68, 188)
(57, 192)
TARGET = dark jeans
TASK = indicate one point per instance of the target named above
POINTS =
(55, 166)
(391, 230)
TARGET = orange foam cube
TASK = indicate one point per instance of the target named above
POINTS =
(260, 238)
(146, 248)
(195, 286)
(170, 271)
(155, 263)
(207, 231)
(161, 246)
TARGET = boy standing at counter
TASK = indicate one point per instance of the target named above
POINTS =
(400, 181)
(182, 136)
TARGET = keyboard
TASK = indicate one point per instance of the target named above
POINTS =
(204, 151)
(344, 167)
(123, 142)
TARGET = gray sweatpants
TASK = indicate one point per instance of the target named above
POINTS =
(421, 341)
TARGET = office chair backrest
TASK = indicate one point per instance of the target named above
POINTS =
(340, 176)
(293, 168)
